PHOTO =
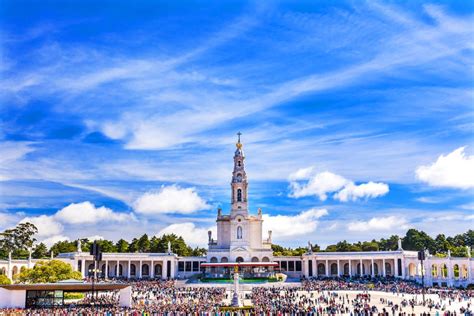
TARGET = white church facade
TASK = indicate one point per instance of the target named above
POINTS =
(240, 241)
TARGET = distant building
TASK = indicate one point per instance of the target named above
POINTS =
(240, 240)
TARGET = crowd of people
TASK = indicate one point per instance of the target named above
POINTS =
(323, 296)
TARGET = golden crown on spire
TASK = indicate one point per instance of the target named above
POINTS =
(238, 144)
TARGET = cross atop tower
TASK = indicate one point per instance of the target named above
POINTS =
(238, 134)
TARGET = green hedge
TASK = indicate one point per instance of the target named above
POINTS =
(73, 296)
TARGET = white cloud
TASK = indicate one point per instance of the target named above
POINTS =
(456, 170)
(352, 192)
(319, 185)
(54, 239)
(86, 213)
(301, 174)
(170, 199)
(47, 225)
(379, 223)
(287, 226)
(192, 235)
(323, 183)
(95, 237)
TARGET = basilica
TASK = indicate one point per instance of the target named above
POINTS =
(241, 243)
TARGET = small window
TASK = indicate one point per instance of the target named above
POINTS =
(298, 265)
(291, 266)
(239, 232)
(188, 266)
(181, 266)
(239, 163)
(239, 195)
(195, 266)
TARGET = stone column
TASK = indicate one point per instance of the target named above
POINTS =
(83, 268)
(165, 269)
(361, 267)
(29, 259)
(152, 270)
(10, 268)
(315, 267)
(350, 267)
(106, 269)
(338, 269)
(140, 269)
(395, 267)
(383, 267)
(172, 268)
(373, 267)
(305, 268)
(403, 267)
(128, 269)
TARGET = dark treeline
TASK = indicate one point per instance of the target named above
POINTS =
(413, 240)
(19, 239)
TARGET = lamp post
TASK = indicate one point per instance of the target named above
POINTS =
(421, 257)
(96, 253)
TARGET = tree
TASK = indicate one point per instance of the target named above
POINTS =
(133, 247)
(144, 244)
(17, 240)
(198, 252)
(106, 246)
(441, 244)
(40, 251)
(64, 246)
(48, 272)
(4, 279)
(418, 240)
(122, 245)
(370, 246)
(389, 244)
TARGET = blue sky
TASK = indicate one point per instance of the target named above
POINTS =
(120, 118)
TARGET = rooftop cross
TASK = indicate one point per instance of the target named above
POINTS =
(238, 134)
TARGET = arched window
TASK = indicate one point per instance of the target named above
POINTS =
(444, 271)
(158, 270)
(145, 270)
(239, 232)
(346, 269)
(224, 259)
(239, 177)
(239, 195)
(265, 259)
(321, 269)
(239, 163)
(239, 259)
(456, 271)
(213, 260)
(388, 268)
(333, 269)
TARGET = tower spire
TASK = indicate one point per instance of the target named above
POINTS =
(239, 180)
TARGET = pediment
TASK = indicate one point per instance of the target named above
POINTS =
(237, 249)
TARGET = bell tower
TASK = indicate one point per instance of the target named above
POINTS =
(239, 181)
